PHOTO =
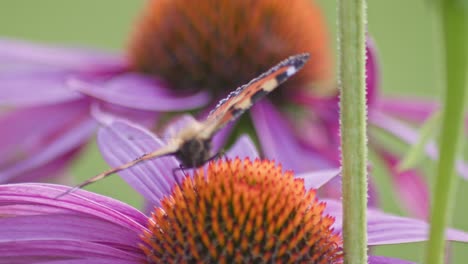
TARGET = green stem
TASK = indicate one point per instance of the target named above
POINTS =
(352, 61)
(453, 18)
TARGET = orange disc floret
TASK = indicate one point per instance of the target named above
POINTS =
(221, 44)
(242, 212)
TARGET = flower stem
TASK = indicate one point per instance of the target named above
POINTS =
(351, 38)
(453, 18)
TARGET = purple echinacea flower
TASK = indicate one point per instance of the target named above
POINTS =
(197, 46)
(37, 79)
(51, 93)
(228, 211)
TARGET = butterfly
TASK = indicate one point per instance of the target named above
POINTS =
(192, 145)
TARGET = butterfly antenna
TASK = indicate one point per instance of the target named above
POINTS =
(111, 171)
(96, 178)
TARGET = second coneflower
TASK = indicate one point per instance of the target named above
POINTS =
(217, 45)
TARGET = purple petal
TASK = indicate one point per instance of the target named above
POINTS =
(121, 142)
(55, 150)
(386, 260)
(30, 143)
(139, 92)
(64, 226)
(410, 186)
(317, 179)
(319, 127)
(103, 111)
(16, 52)
(385, 229)
(410, 136)
(220, 138)
(372, 72)
(32, 88)
(19, 125)
(373, 193)
(49, 171)
(64, 251)
(243, 148)
(177, 125)
(412, 109)
(276, 133)
(29, 199)
(38, 226)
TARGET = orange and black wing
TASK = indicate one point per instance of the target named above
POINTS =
(240, 100)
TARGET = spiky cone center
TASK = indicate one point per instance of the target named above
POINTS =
(222, 44)
(241, 212)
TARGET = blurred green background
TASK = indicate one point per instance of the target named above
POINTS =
(404, 32)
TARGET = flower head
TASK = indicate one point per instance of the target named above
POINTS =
(211, 218)
(217, 45)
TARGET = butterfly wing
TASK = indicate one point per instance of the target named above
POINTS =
(240, 100)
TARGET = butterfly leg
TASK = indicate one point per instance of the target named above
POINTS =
(175, 170)
(219, 154)
(222, 153)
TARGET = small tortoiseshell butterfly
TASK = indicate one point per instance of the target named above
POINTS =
(192, 145)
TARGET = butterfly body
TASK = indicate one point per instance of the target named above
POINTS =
(192, 145)
(194, 152)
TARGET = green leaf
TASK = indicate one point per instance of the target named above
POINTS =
(416, 153)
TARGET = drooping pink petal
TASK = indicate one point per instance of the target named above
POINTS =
(275, 133)
(323, 135)
(387, 260)
(26, 126)
(22, 52)
(410, 136)
(384, 229)
(35, 88)
(319, 127)
(141, 117)
(49, 171)
(372, 72)
(121, 142)
(410, 187)
(60, 146)
(243, 148)
(32, 137)
(317, 179)
(38, 226)
(414, 109)
(139, 92)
